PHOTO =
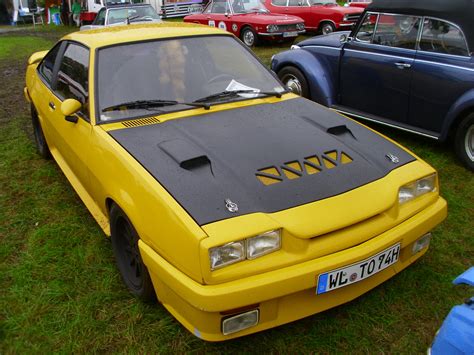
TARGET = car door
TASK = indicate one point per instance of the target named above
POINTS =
(71, 139)
(216, 14)
(376, 66)
(301, 9)
(42, 90)
(442, 73)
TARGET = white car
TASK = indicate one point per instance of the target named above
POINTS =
(123, 13)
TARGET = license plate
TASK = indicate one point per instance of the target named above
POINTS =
(348, 275)
(290, 34)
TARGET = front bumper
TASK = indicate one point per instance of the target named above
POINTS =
(279, 34)
(285, 294)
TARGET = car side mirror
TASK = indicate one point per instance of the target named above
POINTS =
(345, 38)
(227, 15)
(69, 107)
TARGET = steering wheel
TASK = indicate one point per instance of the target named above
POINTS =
(220, 77)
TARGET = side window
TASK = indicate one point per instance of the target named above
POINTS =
(294, 2)
(442, 37)
(47, 65)
(279, 2)
(398, 31)
(73, 74)
(219, 7)
(366, 30)
(100, 18)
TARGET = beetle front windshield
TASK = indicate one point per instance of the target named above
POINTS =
(247, 6)
(182, 70)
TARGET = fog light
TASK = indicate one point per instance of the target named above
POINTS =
(421, 243)
(240, 322)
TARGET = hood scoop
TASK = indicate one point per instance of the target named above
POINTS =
(186, 154)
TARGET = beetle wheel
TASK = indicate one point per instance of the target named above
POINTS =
(295, 80)
(127, 254)
(464, 141)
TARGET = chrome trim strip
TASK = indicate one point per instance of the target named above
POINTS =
(316, 46)
(444, 65)
(385, 124)
(279, 33)
(380, 54)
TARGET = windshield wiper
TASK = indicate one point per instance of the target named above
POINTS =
(153, 103)
(231, 93)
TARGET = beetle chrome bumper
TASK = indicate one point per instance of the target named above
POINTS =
(285, 294)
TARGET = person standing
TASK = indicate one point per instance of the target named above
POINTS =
(65, 12)
(76, 12)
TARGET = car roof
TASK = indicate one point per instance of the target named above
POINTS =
(107, 36)
(459, 12)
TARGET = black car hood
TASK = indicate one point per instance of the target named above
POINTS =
(329, 40)
(264, 158)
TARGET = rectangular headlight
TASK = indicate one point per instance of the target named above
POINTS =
(227, 254)
(417, 188)
(263, 244)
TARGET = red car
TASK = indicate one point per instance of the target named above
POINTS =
(249, 20)
(323, 16)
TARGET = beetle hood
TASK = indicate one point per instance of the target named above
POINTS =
(329, 40)
(263, 158)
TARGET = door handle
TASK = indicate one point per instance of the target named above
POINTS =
(401, 65)
(52, 106)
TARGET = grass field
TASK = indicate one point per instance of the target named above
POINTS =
(60, 290)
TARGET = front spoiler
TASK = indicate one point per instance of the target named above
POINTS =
(285, 294)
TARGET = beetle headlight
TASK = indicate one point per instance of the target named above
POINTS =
(272, 28)
(227, 254)
(417, 188)
(249, 248)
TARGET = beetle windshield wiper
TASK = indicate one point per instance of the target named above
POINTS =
(232, 93)
(145, 104)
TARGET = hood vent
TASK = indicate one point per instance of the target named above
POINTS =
(308, 166)
(141, 122)
(186, 154)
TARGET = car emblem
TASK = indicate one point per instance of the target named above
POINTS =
(231, 206)
(353, 277)
(234, 27)
(394, 159)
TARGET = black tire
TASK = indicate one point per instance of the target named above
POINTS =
(127, 256)
(295, 80)
(464, 141)
(326, 28)
(40, 140)
(249, 37)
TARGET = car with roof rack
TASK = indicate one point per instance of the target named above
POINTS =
(237, 204)
(407, 65)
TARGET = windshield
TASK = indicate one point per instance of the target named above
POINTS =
(141, 13)
(181, 70)
(247, 6)
(322, 2)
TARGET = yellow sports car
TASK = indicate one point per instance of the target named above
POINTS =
(238, 205)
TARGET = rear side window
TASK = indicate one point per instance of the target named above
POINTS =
(72, 82)
(47, 65)
(399, 31)
(442, 37)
